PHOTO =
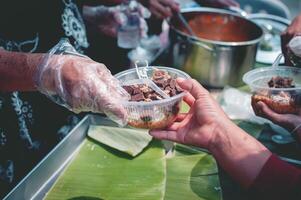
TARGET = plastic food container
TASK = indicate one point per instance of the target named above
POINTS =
(281, 100)
(156, 114)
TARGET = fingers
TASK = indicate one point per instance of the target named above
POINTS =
(264, 111)
(164, 12)
(293, 30)
(181, 117)
(189, 99)
(193, 87)
(165, 135)
(157, 14)
(171, 4)
(164, 8)
(288, 121)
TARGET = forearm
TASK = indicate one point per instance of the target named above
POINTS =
(17, 71)
(238, 153)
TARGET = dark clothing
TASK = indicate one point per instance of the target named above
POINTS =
(29, 122)
(277, 180)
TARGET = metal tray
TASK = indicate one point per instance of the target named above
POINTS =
(40, 179)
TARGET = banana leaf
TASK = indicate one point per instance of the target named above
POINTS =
(130, 141)
(251, 128)
(184, 150)
(100, 172)
(193, 177)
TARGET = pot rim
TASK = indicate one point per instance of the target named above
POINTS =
(214, 42)
(264, 16)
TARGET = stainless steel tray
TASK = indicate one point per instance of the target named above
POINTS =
(38, 182)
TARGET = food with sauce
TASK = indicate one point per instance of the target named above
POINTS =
(219, 27)
(280, 101)
(148, 115)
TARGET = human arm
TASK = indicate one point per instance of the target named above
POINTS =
(17, 71)
(291, 122)
(293, 30)
(106, 20)
(162, 9)
(76, 82)
(207, 126)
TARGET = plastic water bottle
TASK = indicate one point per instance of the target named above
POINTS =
(128, 36)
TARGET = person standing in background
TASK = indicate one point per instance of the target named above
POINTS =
(29, 122)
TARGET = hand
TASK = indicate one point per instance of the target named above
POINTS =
(207, 126)
(162, 8)
(107, 20)
(220, 3)
(81, 85)
(293, 30)
(199, 126)
(288, 121)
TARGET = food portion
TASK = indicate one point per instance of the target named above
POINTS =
(281, 82)
(153, 112)
(282, 102)
(143, 92)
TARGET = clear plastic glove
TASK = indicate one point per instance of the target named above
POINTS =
(107, 20)
(79, 83)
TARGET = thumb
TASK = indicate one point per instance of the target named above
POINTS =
(193, 87)
(266, 112)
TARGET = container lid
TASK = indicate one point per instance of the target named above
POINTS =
(257, 79)
(270, 46)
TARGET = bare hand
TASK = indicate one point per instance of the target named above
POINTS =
(198, 127)
(107, 20)
(288, 121)
(162, 8)
(293, 30)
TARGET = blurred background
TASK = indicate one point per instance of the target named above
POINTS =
(294, 6)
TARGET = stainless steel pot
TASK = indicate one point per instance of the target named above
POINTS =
(223, 51)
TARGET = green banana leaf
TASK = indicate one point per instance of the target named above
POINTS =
(130, 141)
(184, 150)
(100, 172)
(193, 177)
(251, 128)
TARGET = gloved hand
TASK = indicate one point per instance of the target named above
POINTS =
(107, 20)
(79, 83)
